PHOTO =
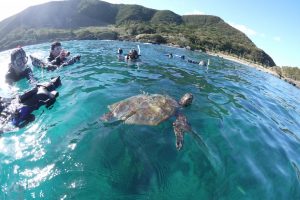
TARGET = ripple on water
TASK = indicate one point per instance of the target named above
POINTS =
(219, 99)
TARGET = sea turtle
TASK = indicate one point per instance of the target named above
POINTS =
(146, 109)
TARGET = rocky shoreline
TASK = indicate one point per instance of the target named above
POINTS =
(245, 62)
(257, 66)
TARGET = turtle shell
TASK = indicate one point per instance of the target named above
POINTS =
(144, 109)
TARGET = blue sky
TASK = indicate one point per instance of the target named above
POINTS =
(273, 25)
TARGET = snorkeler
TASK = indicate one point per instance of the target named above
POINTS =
(132, 55)
(17, 67)
(192, 61)
(58, 58)
(170, 55)
(201, 62)
(61, 60)
(120, 51)
(55, 50)
(120, 54)
(18, 110)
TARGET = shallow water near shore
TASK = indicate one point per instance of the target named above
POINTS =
(248, 120)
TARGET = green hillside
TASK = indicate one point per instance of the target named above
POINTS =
(128, 13)
(166, 17)
(94, 19)
(98, 10)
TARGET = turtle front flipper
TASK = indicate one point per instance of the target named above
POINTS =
(180, 126)
(108, 117)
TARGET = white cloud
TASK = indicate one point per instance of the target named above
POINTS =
(277, 38)
(195, 12)
(248, 31)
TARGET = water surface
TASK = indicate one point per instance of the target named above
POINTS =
(248, 120)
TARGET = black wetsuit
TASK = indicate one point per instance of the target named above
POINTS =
(192, 61)
(58, 61)
(55, 63)
(50, 58)
(18, 110)
(11, 76)
(3, 104)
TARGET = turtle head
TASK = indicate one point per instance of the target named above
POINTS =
(186, 100)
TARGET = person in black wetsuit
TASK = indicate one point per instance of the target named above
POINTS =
(55, 50)
(132, 55)
(17, 67)
(120, 54)
(61, 60)
(193, 61)
(201, 62)
(58, 58)
(170, 55)
(19, 110)
(120, 51)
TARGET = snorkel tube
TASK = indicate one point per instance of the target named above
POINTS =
(138, 46)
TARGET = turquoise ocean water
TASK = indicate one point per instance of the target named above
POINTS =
(248, 120)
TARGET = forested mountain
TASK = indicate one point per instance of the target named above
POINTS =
(94, 19)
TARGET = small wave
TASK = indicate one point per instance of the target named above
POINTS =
(218, 98)
(297, 171)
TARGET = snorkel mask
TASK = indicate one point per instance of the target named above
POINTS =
(18, 59)
(56, 49)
